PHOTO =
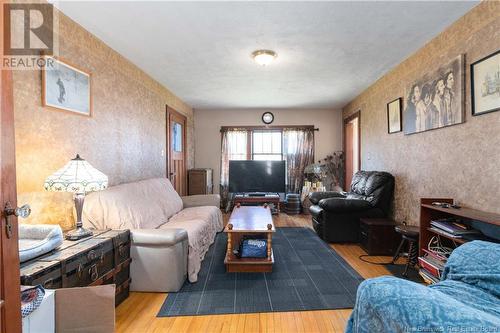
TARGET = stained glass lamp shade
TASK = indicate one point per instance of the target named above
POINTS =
(78, 177)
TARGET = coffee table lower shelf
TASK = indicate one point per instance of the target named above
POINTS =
(248, 265)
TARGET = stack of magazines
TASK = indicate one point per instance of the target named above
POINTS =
(431, 266)
(453, 228)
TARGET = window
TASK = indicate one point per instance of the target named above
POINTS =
(267, 145)
(177, 138)
(254, 144)
(237, 145)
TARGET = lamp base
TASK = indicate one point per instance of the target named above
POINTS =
(78, 233)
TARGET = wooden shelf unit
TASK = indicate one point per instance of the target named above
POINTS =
(442, 234)
(429, 212)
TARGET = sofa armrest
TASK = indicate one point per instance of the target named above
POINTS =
(316, 212)
(157, 237)
(344, 205)
(316, 197)
(201, 200)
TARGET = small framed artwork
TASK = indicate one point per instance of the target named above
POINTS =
(66, 87)
(394, 121)
(485, 84)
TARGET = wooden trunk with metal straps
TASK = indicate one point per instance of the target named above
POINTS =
(103, 258)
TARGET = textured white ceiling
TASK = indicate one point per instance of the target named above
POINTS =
(328, 52)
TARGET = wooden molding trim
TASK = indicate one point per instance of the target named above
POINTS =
(346, 121)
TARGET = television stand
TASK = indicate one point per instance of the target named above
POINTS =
(256, 194)
(248, 199)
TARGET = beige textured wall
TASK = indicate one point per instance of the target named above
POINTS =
(461, 161)
(124, 138)
(208, 138)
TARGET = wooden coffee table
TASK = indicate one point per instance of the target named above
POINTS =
(256, 220)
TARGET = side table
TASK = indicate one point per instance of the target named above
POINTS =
(103, 258)
(378, 236)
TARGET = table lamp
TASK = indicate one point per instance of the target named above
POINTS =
(78, 177)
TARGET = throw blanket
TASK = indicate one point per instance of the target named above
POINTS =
(201, 224)
(466, 300)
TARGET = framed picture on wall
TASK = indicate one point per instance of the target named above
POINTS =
(436, 98)
(485, 84)
(394, 120)
(66, 87)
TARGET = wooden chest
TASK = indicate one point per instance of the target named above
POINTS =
(378, 236)
(200, 181)
(103, 258)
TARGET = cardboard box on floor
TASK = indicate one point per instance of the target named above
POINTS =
(86, 309)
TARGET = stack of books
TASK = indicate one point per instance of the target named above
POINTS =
(432, 263)
(452, 228)
(431, 266)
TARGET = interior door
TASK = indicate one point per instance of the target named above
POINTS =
(10, 300)
(176, 143)
(352, 148)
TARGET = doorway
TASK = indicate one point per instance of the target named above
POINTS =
(352, 147)
(176, 148)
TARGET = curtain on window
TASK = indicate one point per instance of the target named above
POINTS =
(234, 147)
(298, 150)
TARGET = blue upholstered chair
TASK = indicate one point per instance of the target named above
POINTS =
(467, 299)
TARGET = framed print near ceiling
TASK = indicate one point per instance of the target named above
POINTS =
(394, 121)
(66, 87)
(485, 84)
(436, 99)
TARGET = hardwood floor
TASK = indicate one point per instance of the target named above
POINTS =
(138, 313)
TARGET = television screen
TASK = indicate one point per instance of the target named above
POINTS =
(257, 176)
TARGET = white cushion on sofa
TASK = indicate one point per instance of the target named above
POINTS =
(206, 213)
(145, 204)
(202, 224)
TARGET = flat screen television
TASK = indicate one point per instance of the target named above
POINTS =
(257, 176)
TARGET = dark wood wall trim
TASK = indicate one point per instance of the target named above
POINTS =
(346, 121)
(352, 117)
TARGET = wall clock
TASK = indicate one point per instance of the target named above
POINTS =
(267, 118)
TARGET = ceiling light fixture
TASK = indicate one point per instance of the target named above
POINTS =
(264, 57)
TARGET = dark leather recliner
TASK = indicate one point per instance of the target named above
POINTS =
(335, 215)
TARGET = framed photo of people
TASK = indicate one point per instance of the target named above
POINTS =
(394, 121)
(436, 99)
(485, 84)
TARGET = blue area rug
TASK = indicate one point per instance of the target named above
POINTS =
(307, 275)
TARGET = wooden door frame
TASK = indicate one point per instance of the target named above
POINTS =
(346, 121)
(169, 111)
(10, 317)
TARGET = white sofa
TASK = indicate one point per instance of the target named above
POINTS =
(170, 234)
